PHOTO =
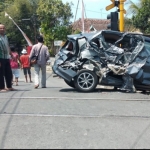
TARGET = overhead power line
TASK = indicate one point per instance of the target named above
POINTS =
(76, 11)
(89, 10)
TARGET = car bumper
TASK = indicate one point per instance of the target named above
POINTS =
(66, 74)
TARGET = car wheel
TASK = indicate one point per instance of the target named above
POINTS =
(115, 88)
(71, 84)
(86, 81)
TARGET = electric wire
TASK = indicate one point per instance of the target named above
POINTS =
(76, 11)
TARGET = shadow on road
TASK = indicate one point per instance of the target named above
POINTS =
(95, 91)
(101, 90)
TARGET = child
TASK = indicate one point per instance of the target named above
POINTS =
(14, 60)
(25, 64)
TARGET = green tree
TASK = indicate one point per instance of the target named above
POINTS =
(128, 24)
(141, 19)
(54, 16)
(133, 8)
(18, 11)
(4, 4)
(138, 14)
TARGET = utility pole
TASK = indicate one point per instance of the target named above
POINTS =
(122, 11)
(83, 13)
(76, 11)
(33, 19)
(82, 17)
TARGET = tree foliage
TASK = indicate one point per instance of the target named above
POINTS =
(52, 17)
(128, 25)
(141, 19)
(139, 13)
(5, 4)
(55, 20)
(18, 10)
(133, 7)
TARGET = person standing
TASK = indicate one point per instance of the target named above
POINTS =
(41, 62)
(5, 68)
(14, 63)
(25, 65)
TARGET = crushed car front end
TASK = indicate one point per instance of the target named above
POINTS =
(105, 58)
(68, 61)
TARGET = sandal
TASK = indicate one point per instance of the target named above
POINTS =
(36, 86)
(11, 89)
(3, 90)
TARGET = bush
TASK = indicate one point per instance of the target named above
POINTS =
(51, 53)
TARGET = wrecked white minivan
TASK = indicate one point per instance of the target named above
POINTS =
(108, 58)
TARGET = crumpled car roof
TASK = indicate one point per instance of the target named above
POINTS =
(77, 36)
(91, 35)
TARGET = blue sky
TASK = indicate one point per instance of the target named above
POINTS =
(94, 8)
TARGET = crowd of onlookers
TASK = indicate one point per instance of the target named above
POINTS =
(11, 63)
(20, 62)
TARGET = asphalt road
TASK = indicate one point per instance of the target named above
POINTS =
(59, 117)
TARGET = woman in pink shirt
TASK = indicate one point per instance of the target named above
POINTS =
(14, 60)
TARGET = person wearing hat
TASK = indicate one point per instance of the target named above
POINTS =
(25, 65)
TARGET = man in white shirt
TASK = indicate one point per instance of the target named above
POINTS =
(41, 62)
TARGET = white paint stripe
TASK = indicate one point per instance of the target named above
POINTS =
(66, 98)
(76, 116)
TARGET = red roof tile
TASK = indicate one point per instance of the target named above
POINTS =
(98, 24)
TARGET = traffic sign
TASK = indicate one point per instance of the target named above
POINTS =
(111, 5)
(57, 43)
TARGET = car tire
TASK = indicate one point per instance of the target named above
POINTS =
(115, 88)
(86, 81)
(71, 84)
